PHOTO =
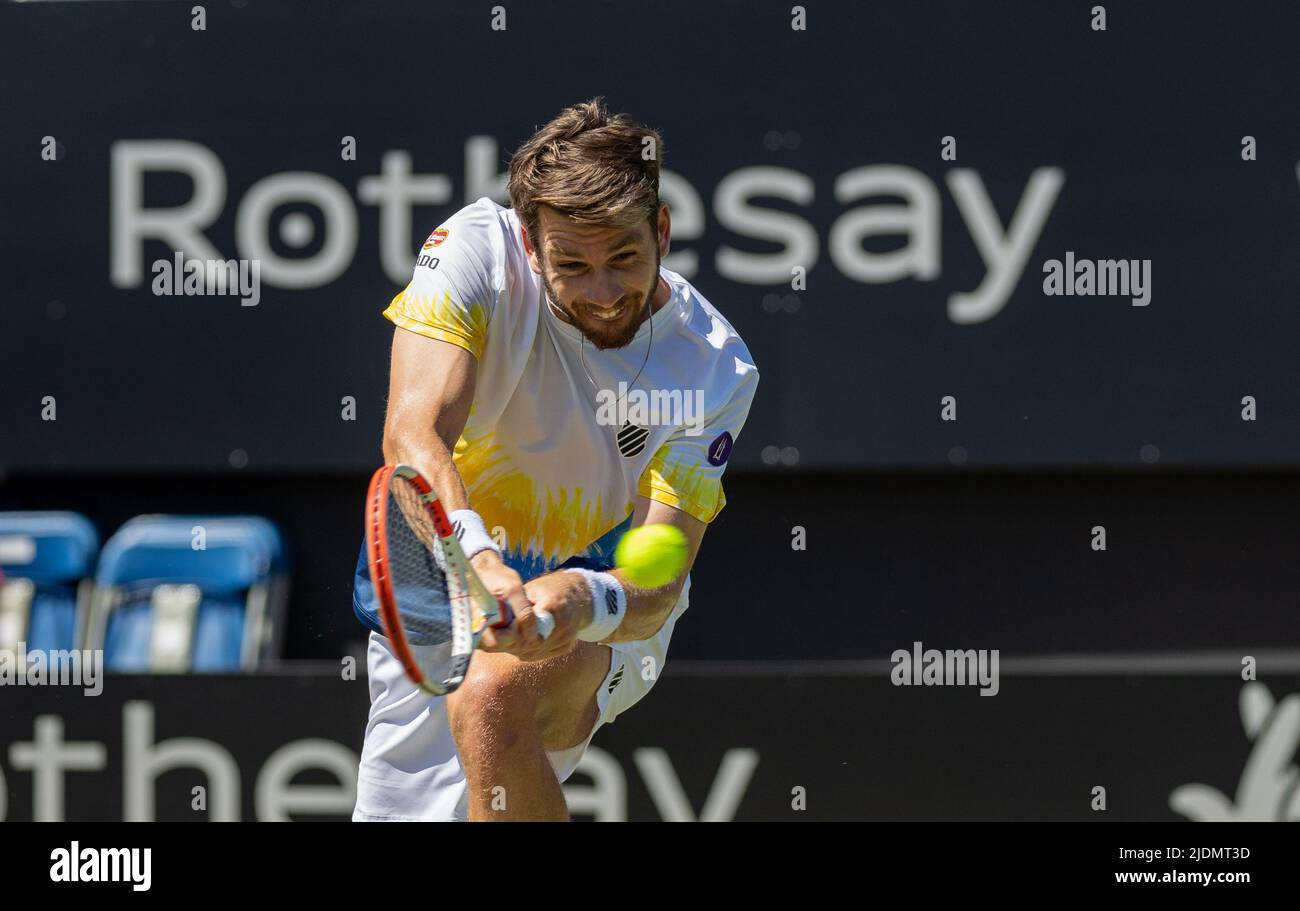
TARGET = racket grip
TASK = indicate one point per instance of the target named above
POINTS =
(545, 624)
(506, 615)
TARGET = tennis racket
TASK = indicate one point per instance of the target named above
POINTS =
(432, 604)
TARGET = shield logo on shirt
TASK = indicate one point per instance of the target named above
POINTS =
(632, 439)
(720, 449)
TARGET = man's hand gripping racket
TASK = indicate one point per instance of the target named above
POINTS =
(429, 595)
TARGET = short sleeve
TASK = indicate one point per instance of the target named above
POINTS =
(686, 471)
(451, 293)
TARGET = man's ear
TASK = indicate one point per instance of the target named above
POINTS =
(533, 261)
(664, 234)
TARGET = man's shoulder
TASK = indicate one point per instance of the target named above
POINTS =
(483, 223)
(707, 324)
(723, 364)
(482, 237)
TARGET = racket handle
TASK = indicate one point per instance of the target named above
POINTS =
(505, 615)
(545, 623)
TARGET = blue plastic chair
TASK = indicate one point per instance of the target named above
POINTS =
(53, 552)
(236, 584)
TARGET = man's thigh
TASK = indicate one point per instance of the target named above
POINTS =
(560, 693)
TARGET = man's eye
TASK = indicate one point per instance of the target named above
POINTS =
(624, 257)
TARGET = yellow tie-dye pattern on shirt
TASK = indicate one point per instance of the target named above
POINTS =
(441, 318)
(538, 521)
(682, 485)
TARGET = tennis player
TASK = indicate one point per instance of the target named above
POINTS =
(527, 346)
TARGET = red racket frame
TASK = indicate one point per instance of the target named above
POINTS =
(377, 500)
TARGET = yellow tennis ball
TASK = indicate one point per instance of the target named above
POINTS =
(651, 555)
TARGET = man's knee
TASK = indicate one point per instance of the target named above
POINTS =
(494, 700)
(504, 698)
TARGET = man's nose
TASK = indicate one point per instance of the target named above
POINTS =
(605, 290)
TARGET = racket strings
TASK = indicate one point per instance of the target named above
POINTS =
(419, 583)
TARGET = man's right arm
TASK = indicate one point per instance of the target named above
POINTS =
(430, 390)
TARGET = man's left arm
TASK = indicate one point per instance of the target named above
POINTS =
(648, 608)
(567, 596)
(682, 487)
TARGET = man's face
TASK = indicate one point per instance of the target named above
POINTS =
(600, 277)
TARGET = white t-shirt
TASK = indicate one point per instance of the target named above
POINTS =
(551, 460)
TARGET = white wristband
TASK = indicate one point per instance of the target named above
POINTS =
(471, 533)
(608, 604)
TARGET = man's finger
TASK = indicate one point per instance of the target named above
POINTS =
(499, 640)
(518, 600)
(525, 625)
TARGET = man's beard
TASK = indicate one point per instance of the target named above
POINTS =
(618, 334)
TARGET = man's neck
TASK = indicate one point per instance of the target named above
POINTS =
(662, 294)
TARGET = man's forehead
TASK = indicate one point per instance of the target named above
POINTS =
(561, 235)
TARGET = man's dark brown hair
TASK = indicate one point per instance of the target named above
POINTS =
(594, 167)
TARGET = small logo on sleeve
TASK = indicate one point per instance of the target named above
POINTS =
(720, 449)
(436, 238)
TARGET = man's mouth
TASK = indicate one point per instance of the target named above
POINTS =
(606, 316)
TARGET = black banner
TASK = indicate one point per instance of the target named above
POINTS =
(1150, 740)
(971, 234)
